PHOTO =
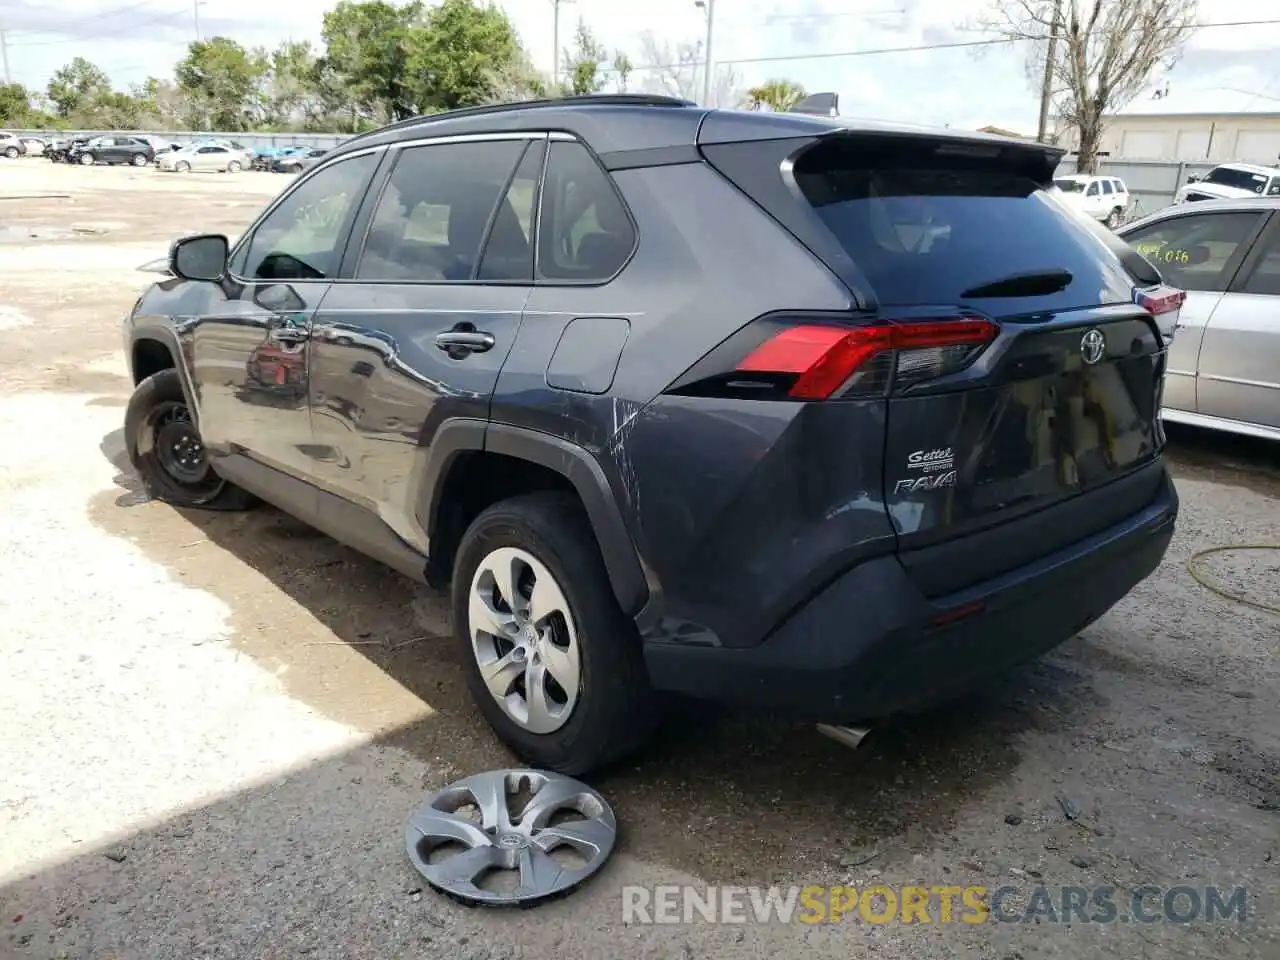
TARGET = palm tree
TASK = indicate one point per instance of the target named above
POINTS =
(780, 95)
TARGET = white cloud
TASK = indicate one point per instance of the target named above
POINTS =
(1225, 69)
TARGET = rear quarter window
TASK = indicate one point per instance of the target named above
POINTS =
(925, 230)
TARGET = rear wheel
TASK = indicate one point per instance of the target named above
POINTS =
(11, 153)
(1114, 218)
(553, 663)
(165, 448)
(139, 159)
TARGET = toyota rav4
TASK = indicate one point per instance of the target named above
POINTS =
(767, 409)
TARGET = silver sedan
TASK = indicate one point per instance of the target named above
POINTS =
(1224, 361)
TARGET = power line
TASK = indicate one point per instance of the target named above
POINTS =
(92, 19)
(113, 32)
(918, 48)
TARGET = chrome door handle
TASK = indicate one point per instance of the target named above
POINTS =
(287, 335)
(465, 341)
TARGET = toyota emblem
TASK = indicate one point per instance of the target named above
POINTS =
(1092, 346)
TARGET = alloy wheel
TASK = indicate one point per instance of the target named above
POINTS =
(525, 640)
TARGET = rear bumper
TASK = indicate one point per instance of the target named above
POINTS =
(871, 645)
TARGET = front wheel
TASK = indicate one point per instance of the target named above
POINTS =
(182, 167)
(1114, 218)
(552, 661)
(233, 167)
(165, 448)
(139, 159)
(86, 159)
(11, 153)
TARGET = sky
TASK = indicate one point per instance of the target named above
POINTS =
(1222, 69)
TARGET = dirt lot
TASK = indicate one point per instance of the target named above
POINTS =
(214, 727)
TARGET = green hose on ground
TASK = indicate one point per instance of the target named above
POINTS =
(1225, 594)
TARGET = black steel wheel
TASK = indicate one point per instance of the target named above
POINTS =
(165, 448)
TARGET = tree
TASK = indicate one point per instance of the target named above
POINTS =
(15, 105)
(583, 62)
(1105, 53)
(460, 54)
(220, 78)
(676, 70)
(289, 94)
(622, 69)
(161, 103)
(77, 85)
(779, 95)
(366, 63)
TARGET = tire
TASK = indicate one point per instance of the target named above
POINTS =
(156, 416)
(233, 166)
(86, 159)
(614, 710)
(182, 167)
(11, 153)
(139, 160)
(1114, 218)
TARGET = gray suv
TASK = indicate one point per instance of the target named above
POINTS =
(760, 408)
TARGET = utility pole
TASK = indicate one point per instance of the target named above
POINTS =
(1046, 86)
(709, 8)
(195, 9)
(555, 42)
(4, 53)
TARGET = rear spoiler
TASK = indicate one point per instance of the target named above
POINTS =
(818, 105)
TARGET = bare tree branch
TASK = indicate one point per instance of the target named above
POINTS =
(1106, 52)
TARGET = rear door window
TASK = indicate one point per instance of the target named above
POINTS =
(586, 232)
(1199, 251)
(925, 235)
(1106, 187)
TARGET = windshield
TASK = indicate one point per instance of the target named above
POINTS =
(1241, 179)
(1070, 186)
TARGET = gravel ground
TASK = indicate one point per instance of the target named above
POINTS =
(215, 726)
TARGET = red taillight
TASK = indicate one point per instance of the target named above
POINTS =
(824, 358)
(1161, 301)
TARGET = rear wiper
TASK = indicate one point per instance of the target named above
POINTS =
(1037, 283)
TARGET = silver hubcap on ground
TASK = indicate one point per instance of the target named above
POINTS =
(525, 640)
(501, 858)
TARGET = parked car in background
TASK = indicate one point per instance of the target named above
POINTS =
(66, 149)
(11, 146)
(35, 146)
(1224, 361)
(115, 149)
(921, 447)
(264, 157)
(245, 153)
(202, 157)
(1103, 198)
(1231, 181)
(297, 162)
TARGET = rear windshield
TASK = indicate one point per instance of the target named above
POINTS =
(1228, 177)
(1070, 186)
(923, 228)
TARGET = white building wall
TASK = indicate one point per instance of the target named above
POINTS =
(1247, 137)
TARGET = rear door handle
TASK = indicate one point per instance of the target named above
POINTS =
(462, 342)
(287, 335)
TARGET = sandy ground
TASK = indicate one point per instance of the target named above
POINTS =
(213, 728)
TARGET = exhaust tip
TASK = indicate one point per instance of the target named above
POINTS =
(849, 736)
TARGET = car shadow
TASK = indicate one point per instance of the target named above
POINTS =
(724, 794)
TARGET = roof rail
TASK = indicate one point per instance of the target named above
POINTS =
(599, 99)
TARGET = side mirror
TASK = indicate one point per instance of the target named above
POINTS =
(201, 257)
